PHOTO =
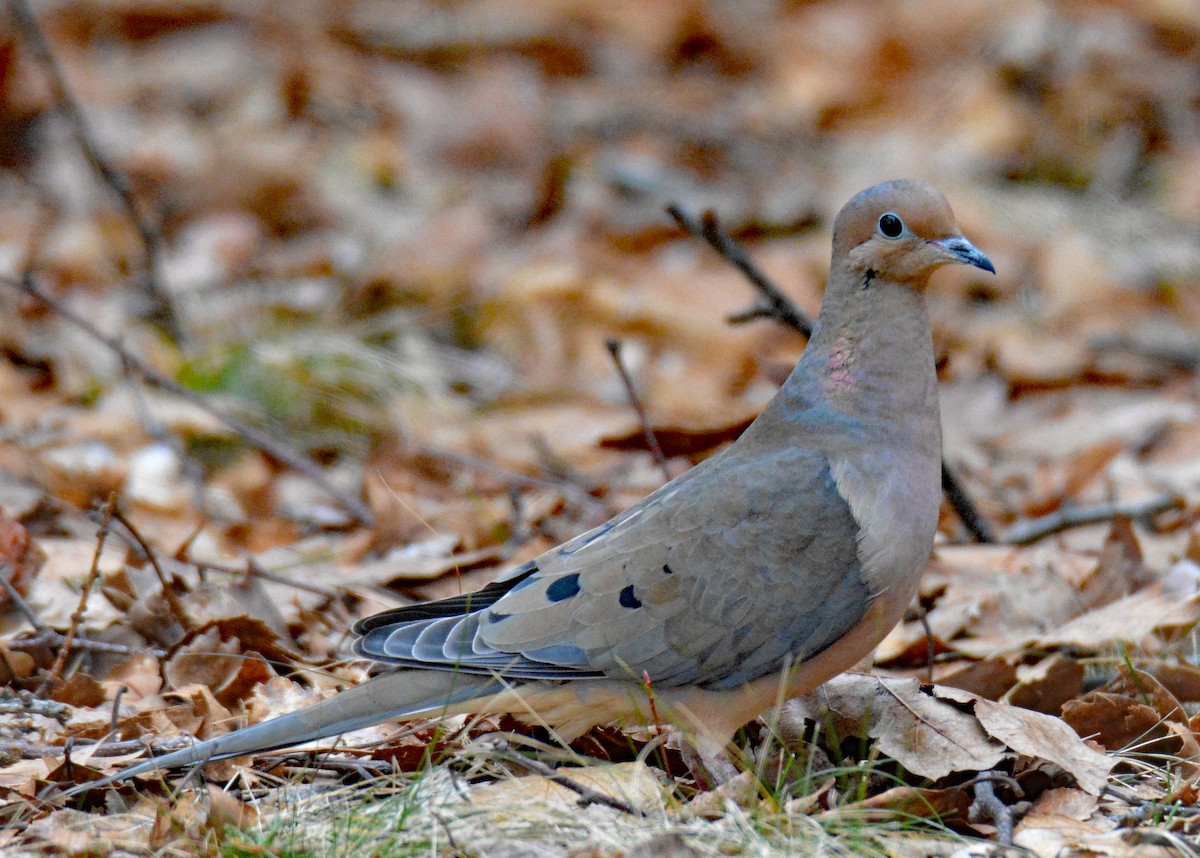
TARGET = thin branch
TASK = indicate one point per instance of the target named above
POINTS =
(6, 572)
(465, 460)
(24, 703)
(930, 641)
(60, 659)
(586, 794)
(48, 637)
(44, 636)
(961, 503)
(988, 806)
(778, 306)
(161, 311)
(115, 721)
(150, 376)
(1068, 517)
(781, 308)
(168, 591)
(614, 349)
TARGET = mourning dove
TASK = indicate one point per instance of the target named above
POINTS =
(763, 571)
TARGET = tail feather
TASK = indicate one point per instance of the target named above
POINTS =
(391, 695)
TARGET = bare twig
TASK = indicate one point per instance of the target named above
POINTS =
(24, 703)
(253, 570)
(1078, 516)
(168, 591)
(116, 708)
(988, 806)
(783, 310)
(48, 637)
(586, 794)
(150, 376)
(465, 460)
(160, 310)
(19, 602)
(60, 659)
(44, 636)
(778, 306)
(930, 644)
(614, 349)
(961, 503)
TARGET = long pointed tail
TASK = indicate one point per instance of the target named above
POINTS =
(391, 695)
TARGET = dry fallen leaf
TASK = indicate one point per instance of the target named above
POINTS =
(927, 736)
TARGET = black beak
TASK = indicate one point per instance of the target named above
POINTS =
(965, 252)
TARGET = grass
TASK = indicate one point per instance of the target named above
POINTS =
(440, 811)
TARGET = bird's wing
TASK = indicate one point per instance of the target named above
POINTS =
(716, 579)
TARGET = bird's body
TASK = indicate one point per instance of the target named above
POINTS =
(761, 572)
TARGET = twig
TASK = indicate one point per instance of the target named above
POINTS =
(33, 751)
(962, 504)
(161, 311)
(44, 636)
(1077, 516)
(48, 637)
(115, 721)
(19, 602)
(24, 703)
(465, 460)
(648, 686)
(586, 794)
(987, 806)
(168, 591)
(150, 376)
(614, 349)
(783, 310)
(930, 644)
(60, 659)
(253, 570)
(778, 306)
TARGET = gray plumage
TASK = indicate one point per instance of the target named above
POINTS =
(799, 546)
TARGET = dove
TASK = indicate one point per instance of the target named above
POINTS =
(757, 575)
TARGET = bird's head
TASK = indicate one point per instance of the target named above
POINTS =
(901, 231)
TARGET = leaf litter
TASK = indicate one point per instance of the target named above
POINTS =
(399, 237)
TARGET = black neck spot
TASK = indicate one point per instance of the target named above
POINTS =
(870, 275)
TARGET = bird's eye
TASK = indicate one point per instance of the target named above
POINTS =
(890, 225)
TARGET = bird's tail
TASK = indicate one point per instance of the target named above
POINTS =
(388, 696)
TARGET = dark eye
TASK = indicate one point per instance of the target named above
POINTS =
(890, 225)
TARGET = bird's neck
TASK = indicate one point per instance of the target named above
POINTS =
(870, 360)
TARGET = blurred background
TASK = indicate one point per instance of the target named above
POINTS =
(394, 234)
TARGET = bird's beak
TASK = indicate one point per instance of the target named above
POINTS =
(965, 252)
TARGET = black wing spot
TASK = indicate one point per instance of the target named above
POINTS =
(628, 600)
(564, 588)
(496, 616)
(668, 570)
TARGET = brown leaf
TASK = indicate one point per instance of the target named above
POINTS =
(927, 736)
(1182, 680)
(22, 556)
(80, 690)
(1145, 688)
(1117, 722)
(225, 811)
(223, 664)
(1034, 734)
(906, 802)
(989, 678)
(1047, 685)
(1121, 570)
(678, 440)
(1133, 619)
